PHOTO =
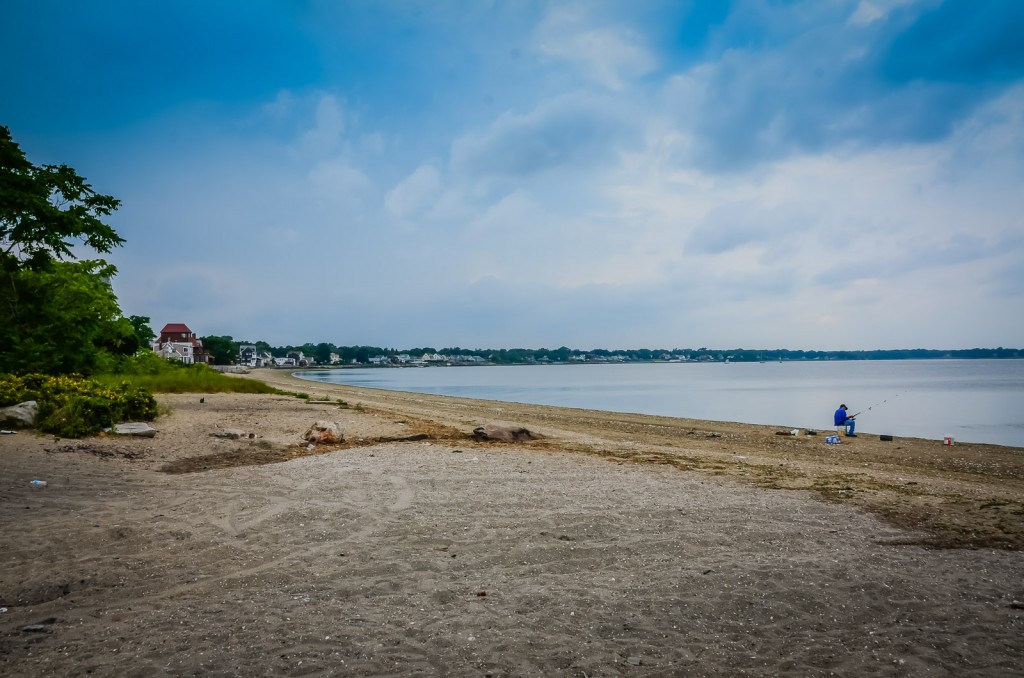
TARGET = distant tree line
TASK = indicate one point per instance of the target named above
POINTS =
(225, 351)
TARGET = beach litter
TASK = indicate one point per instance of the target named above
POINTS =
(324, 433)
(41, 627)
(832, 440)
(38, 484)
(508, 434)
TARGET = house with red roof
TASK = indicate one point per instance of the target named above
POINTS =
(178, 342)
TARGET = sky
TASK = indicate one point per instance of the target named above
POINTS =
(817, 175)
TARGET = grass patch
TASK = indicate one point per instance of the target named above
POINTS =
(157, 375)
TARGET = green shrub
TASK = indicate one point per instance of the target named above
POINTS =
(78, 417)
(72, 406)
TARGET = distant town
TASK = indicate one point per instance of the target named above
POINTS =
(177, 341)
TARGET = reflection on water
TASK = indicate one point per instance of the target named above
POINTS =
(971, 400)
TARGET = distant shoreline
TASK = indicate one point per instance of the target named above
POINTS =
(615, 362)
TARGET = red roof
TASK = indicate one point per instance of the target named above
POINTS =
(175, 328)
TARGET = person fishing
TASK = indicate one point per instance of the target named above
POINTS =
(842, 419)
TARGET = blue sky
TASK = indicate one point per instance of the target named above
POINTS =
(830, 174)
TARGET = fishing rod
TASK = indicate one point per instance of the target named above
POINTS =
(877, 405)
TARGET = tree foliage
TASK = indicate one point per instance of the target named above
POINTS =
(44, 209)
(57, 315)
(143, 331)
(322, 353)
(224, 349)
(61, 319)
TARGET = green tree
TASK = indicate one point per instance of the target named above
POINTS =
(143, 331)
(560, 354)
(56, 314)
(61, 318)
(223, 349)
(44, 209)
(322, 353)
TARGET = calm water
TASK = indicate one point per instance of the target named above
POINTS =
(971, 400)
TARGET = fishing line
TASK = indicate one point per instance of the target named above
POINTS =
(878, 404)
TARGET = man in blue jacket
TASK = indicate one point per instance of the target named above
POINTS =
(848, 422)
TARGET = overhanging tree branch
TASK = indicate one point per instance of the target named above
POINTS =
(45, 209)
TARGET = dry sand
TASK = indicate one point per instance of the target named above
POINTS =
(616, 545)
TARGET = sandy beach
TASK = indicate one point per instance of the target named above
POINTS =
(614, 545)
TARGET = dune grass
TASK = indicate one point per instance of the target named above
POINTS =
(158, 375)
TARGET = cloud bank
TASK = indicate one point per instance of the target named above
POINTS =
(841, 175)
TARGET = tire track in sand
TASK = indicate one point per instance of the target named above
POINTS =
(373, 515)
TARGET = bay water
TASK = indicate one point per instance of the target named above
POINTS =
(970, 400)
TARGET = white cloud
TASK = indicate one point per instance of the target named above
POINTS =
(570, 134)
(610, 56)
(336, 182)
(571, 208)
(326, 133)
(416, 194)
(870, 11)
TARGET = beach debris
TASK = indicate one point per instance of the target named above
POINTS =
(38, 484)
(885, 437)
(22, 415)
(5, 432)
(506, 434)
(634, 661)
(324, 433)
(232, 434)
(41, 627)
(832, 440)
(139, 429)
